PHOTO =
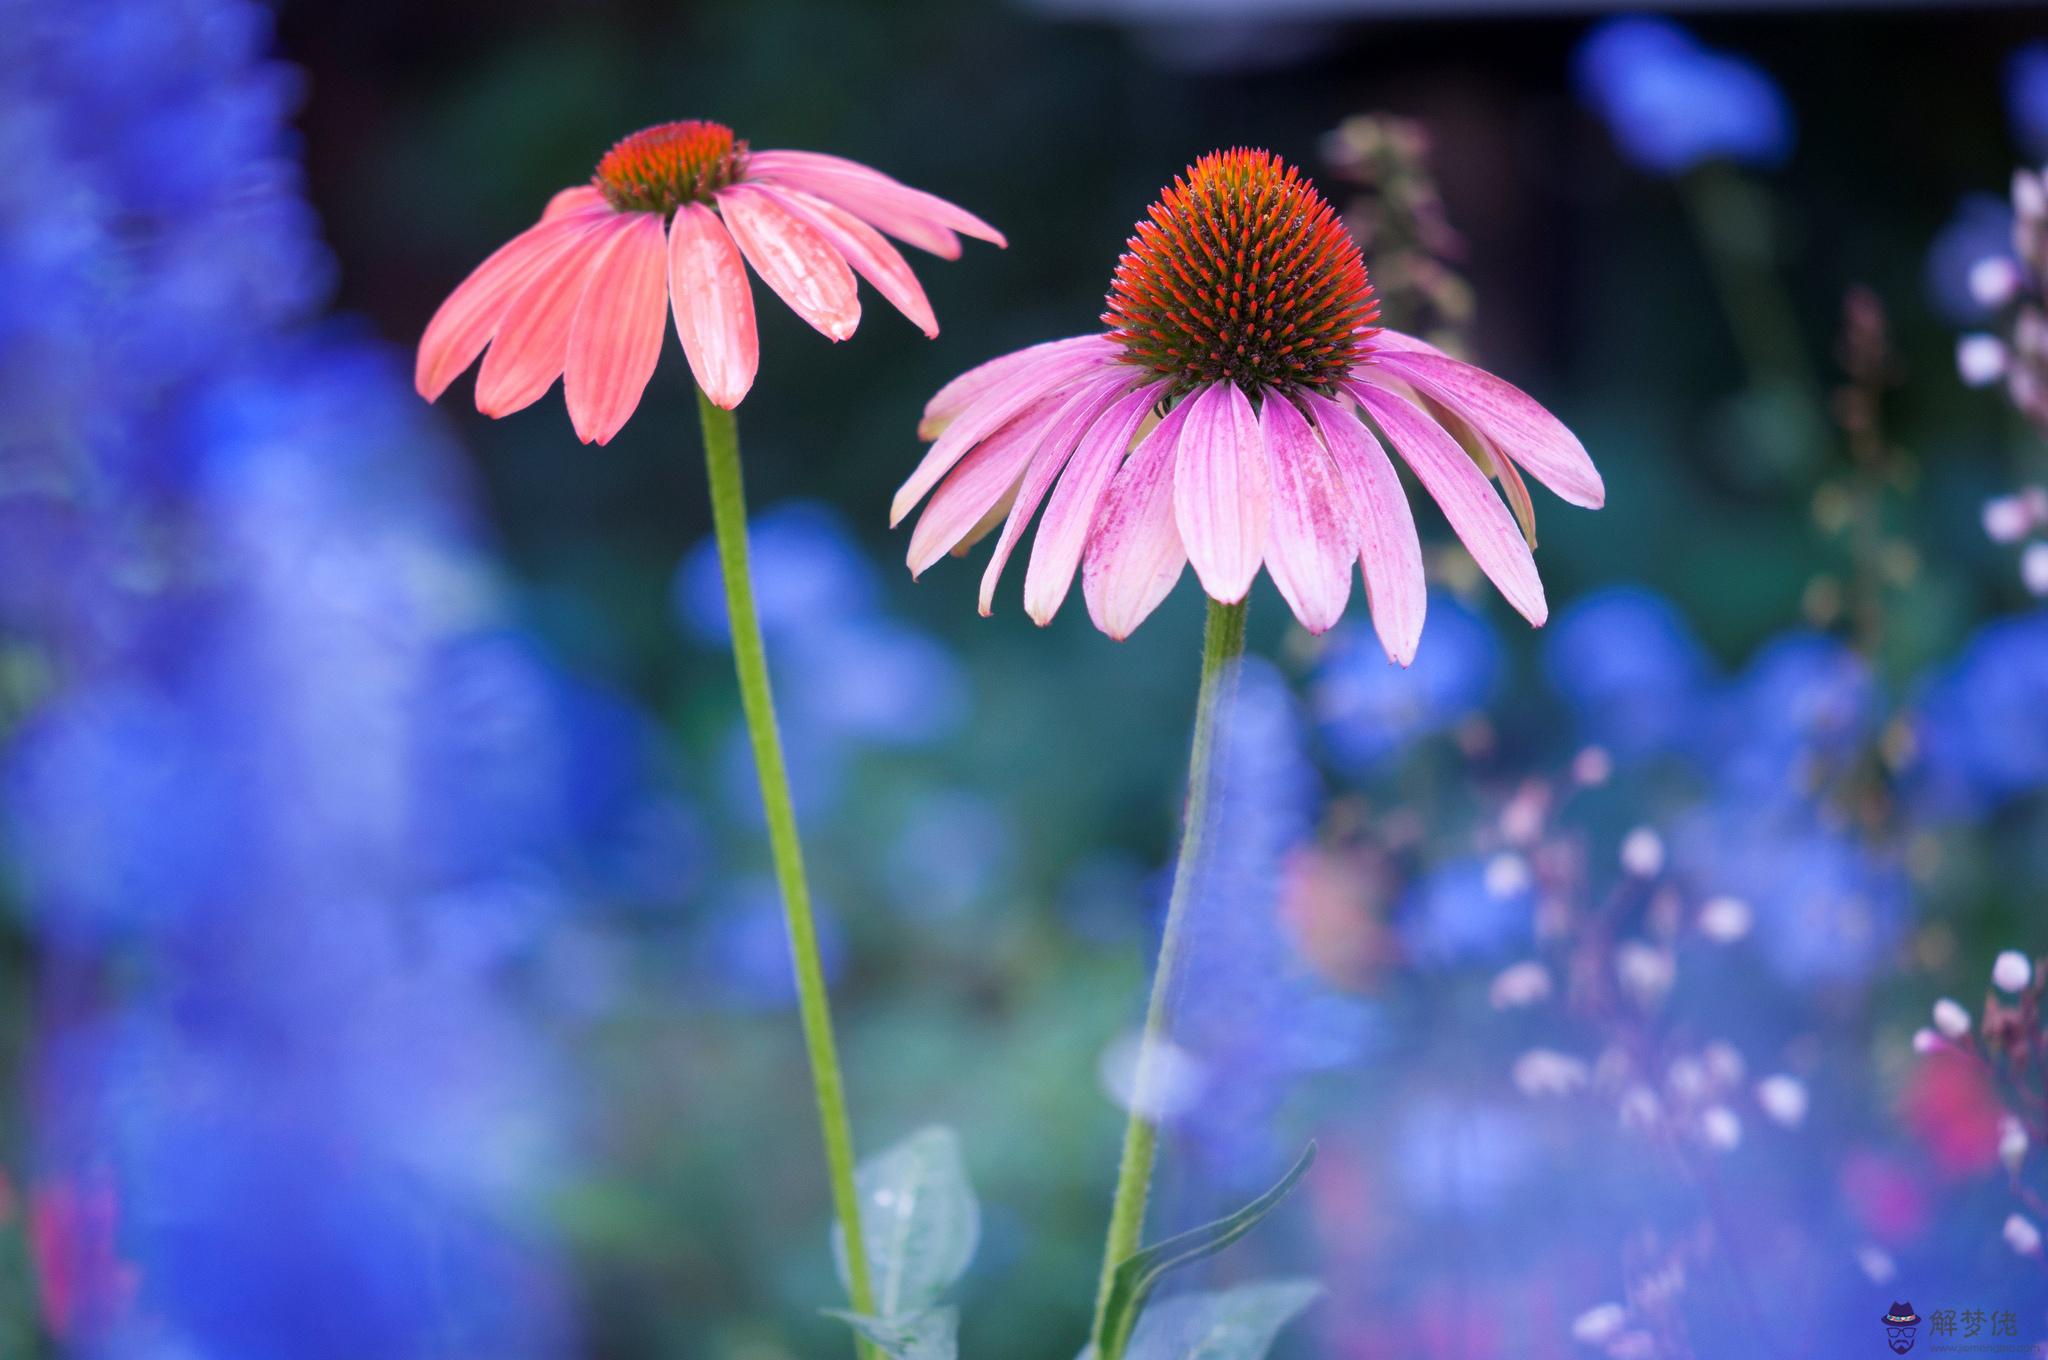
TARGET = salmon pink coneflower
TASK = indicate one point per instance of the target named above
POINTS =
(1235, 414)
(664, 225)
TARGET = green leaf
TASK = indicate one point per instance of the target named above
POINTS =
(930, 1335)
(1226, 1324)
(1138, 1273)
(920, 1220)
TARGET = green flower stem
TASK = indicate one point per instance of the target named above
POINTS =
(1222, 645)
(729, 515)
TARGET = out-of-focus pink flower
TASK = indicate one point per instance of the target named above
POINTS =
(1236, 414)
(1949, 1102)
(82, 1283)
(668, 224)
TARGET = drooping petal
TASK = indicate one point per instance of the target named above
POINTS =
(977, 382)
(1072, 510)
(1515, 422)
(1397, 342)
(1134, 554)
(980, 419)
(532, 343)
(985, 478)
(576, 198)
(714, 305)
(471, 315)
(1389, 552)
(794, 259)
(1220, 491)
(616, 336)
(1313, 537)
(1467, 497)
(873, 258)
(850, 184)
(1063, 434)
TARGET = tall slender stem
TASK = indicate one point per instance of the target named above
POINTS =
(729, 516)
(1222, 645)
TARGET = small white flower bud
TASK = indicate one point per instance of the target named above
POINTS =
(1161, 1088)
(1994, 280)
(1546, 1072)
(1877, 1263)
(1927, 1041)
(1592, 766)
(2012, 1144)
(2022, 1236)
(1724, 920)
(1722, 1128)
(1645, 971)
(1640, 1109)
(1507, 875)
(1520, 984)
(1981, 360)
(1599, 1325)
(2029, 198)
(2007, 519)
(1642, 853)
(1783, 1098)
(1951, 1019)
(1687, 1078)
(1724, 1064)
(2012, 971)
(2034, 569)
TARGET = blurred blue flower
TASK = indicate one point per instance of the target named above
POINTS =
(741, 959)
(807, 572)
(870, 680)
(1828, 907)
(1981, 725)
(1979, 229)
(1369, 709)
(1257, 1017)
(1467, 911)
(1806, 704)
(1673, 104)
(953, 850)
(1630, 667)
(2026, 98)
(300, 805)
(1458, 1159)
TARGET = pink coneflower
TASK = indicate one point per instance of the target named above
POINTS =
(1242, 318)
(665, 223)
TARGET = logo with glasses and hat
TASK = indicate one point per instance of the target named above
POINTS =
(1899, 1327)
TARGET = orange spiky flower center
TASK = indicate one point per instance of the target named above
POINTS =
(1242, 271)
(659, 169)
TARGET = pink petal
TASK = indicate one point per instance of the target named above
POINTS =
(1071, 513)
(873, 258)
(1134, 555)
(850, 184)
(714, 305)
(1396, 342)
(616, 337)
(577, 198)
(1063, 433)
(985, 478)
(1510, 418)
(532, 343)
(1313, 538)
(1389, 552)
(956, 396)
(883, 213)
(1220, 491)
(1468, 499)
(793, 258)
(982, 419)
(471, 315)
